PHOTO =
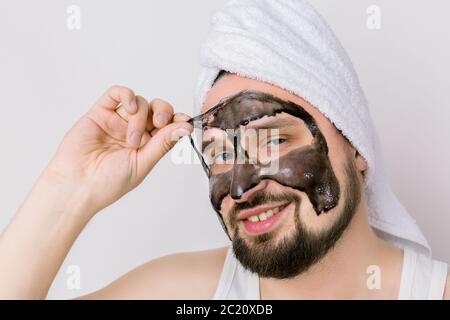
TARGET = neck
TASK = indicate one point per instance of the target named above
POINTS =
(343, 272)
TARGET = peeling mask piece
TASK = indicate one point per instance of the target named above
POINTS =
(302, 151)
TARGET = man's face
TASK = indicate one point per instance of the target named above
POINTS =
(283, 222)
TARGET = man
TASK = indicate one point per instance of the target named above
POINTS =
(310, 229)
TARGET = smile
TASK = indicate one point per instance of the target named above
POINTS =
(263, 219)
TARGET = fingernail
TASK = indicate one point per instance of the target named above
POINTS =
(135, 138)
(162, 118)
(133, 106)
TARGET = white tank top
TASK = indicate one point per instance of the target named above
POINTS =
(422, 278)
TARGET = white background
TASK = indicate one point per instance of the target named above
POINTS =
(50, 76)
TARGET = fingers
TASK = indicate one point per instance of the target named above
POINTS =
(137, 123)
(123, 113)
(162, 113)
(177, 117)
(116, 95)
(153, 116)
(160, 143)
(130, 119)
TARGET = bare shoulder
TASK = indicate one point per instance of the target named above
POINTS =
(447, 288)
(187, 275)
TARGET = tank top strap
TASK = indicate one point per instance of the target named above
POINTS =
(235, 282)
(422, 277)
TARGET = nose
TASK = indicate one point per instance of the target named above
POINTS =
(244, 180)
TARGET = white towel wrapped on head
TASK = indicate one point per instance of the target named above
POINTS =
(288, 44)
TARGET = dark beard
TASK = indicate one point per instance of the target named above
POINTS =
(293, 255)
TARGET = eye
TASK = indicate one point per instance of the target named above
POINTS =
(223, 157)
(276, 141)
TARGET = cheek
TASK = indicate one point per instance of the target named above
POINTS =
(334, 156)
(317, 223)
(337, 151)
(227, 204)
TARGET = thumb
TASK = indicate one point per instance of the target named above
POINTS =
(161, 143)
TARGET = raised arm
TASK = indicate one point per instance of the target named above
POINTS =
(107, 153)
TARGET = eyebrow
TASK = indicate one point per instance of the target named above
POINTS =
(207, 143)
(274, 124)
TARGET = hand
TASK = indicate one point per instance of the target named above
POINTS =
(114, 146)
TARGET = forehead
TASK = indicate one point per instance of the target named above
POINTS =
(253, 109)
(231, 84)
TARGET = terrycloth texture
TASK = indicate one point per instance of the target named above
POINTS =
(288, 44)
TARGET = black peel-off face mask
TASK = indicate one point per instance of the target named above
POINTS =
(233, 168)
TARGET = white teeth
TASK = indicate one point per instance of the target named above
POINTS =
(263, 216)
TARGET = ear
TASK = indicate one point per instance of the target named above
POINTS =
(360, 162)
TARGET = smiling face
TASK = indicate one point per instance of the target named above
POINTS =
(284, 219)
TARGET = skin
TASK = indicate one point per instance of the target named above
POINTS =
(65, 198)
(314, 159)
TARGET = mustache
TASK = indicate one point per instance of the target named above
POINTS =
(263, 198)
